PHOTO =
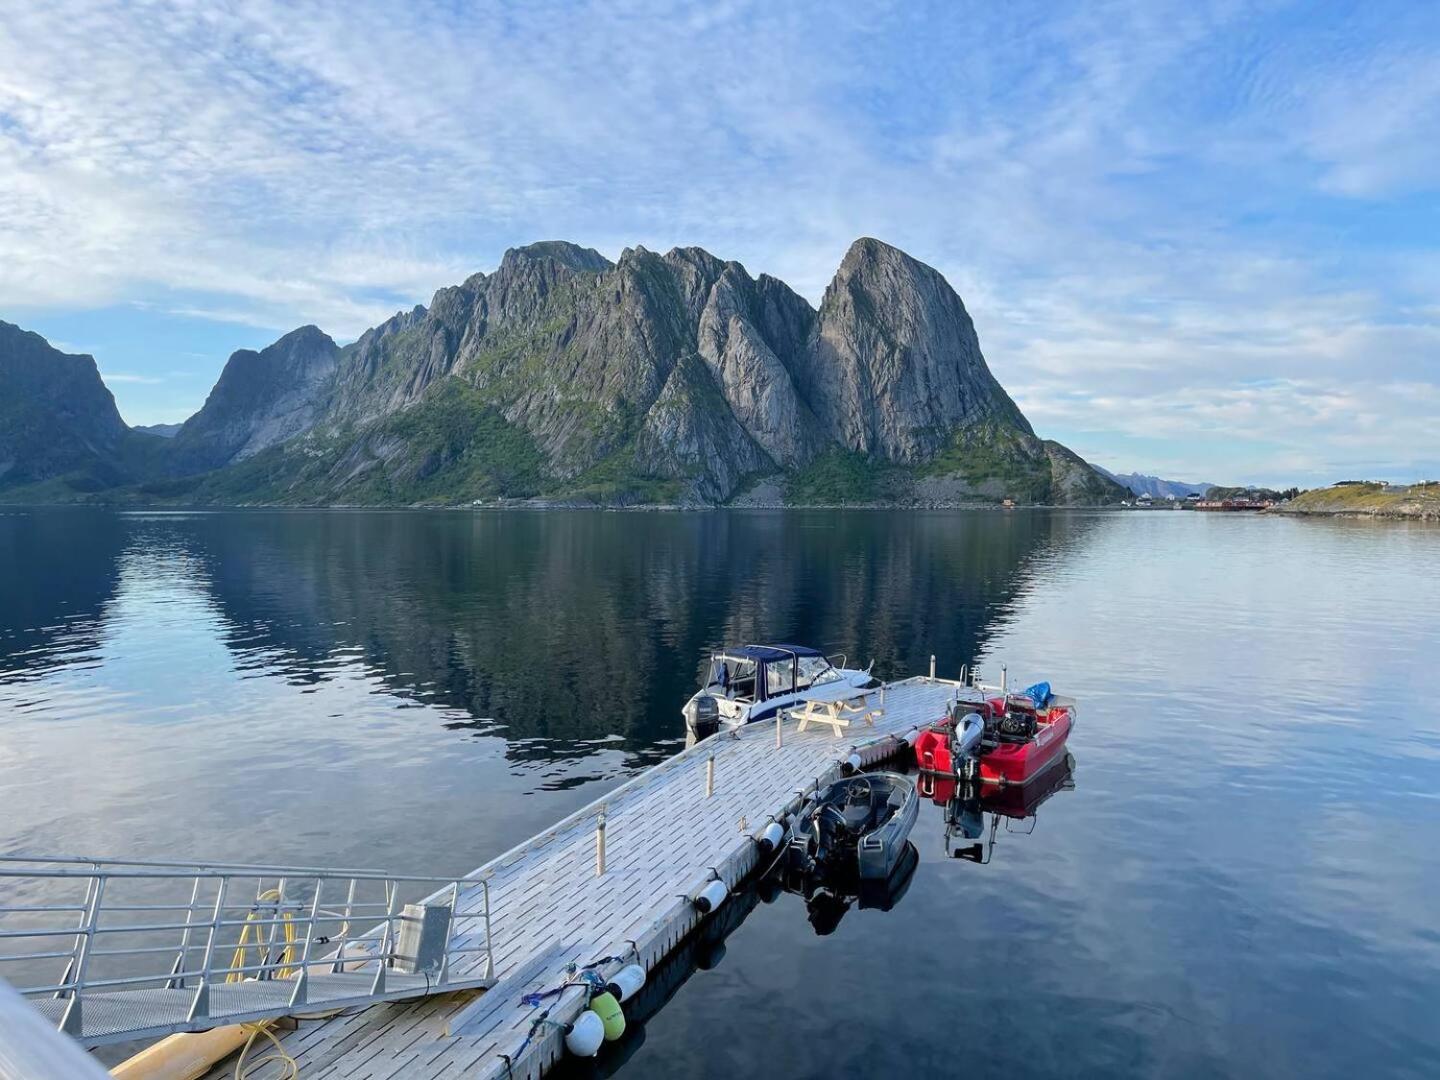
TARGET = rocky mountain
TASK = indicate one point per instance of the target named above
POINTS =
(656, 378)
(261, 399)
(57, 419)
(893, 367)
(1156, 488)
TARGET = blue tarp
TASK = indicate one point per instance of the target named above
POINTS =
(1039, 694)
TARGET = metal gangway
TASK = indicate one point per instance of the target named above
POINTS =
(112, 950)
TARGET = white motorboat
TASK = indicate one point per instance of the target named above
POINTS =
(752, 682)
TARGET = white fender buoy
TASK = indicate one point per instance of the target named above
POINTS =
(626, 982)
(851, 764)
(711, 896)
(770, 837)
(584, 1036)
(912, 736)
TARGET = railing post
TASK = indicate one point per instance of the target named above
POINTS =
(489, 944)
(444, 976)
(71, 1020)
(599, 847)
(79, 935)
(302, 980)
(177, 970)
(344, 932)
(200, 1004)
(387, 939)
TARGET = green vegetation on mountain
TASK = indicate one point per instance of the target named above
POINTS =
(450, 446)
(996, 460)
(844, 477)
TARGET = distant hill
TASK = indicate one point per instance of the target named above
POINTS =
(1156, 488)
(1363, 499)
(164, 431)
(675, 378)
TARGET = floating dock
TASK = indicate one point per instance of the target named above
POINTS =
(611, 884)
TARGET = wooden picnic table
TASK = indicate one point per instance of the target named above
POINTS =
(837, 712)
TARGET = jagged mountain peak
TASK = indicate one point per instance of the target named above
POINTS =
(301, 341)
(261, 398)
(565, 253)
(676, 376)
(894, 365)
(867, 248)
(885, 268)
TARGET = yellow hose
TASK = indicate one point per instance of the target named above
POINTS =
(187, 1056)
(287, 955)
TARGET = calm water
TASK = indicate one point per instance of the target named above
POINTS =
(1242, 881)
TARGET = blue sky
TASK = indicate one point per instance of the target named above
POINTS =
(1199, 239)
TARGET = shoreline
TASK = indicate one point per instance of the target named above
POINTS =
(555, 505)
(1430, 516)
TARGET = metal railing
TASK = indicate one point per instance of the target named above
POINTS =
(73, 927)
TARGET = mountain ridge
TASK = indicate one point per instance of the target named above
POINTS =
(1154, 486)
(654, 378)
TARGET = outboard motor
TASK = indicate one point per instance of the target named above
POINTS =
(965, 744)
(968, 733)
(702, 717)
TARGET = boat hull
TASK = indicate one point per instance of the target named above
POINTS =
(1018, 763)
(876, 847)
(1008, 763)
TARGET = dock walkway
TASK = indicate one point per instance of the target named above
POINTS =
(667, 832)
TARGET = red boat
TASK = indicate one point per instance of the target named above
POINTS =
(1005, 739)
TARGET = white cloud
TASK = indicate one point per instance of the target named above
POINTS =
(124, 377)
(1140, 202)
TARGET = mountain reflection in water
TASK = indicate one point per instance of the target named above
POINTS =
(559, 632)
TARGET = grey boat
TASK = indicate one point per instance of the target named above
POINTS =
(859, 822)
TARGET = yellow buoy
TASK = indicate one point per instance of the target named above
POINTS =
(608, 1009)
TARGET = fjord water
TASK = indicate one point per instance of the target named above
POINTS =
(1241, 882)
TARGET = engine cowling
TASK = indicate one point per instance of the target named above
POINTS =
(702, 716)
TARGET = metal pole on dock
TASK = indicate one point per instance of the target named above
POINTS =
(932, 665)
(710, 776)
(599, 845)
(779, 728)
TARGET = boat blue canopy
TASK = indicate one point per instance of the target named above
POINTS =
(770, 653)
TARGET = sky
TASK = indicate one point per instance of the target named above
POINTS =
(1198, 239)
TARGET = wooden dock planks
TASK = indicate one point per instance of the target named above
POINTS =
(664, 838)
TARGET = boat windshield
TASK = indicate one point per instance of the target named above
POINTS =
(815, 671)
(732, 678)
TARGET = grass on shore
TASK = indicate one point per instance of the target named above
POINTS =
(1414, 500)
